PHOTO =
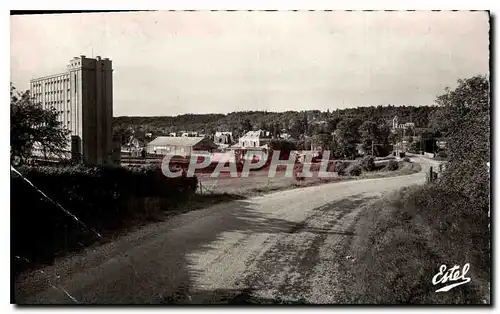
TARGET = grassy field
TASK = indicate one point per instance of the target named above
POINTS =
(258, 182)
(400, 243)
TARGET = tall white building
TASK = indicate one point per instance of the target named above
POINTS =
(83, 96)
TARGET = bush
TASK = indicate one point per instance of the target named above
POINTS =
(442, 154)
(392, 165)
(97, 196)
(368, 163)
(354, 170)
(340, 167)
(406, 159)
(465, 115)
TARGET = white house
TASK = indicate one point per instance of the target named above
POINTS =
(254, 139)
(223, 139)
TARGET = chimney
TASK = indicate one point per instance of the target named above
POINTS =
(82, 56)
(98, 58)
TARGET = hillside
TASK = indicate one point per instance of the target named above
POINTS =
(293, 122)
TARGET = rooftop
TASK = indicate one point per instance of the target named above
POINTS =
(177, 141)
(255, 134)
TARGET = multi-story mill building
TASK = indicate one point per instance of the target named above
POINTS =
(83, 96)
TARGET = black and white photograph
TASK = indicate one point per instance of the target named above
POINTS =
(251, 157)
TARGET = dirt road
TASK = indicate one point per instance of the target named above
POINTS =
(280, 247)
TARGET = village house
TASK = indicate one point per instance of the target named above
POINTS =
(255, 139)
(133, 147)
(223, 139)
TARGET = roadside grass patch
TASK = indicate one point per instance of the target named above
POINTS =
(402, 240)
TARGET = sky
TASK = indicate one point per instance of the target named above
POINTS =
(170, 63)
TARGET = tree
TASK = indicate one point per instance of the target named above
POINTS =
(297, 126)
(312, 129)
(209, 130)
(323, 140)
(369, 134)
(31, 124)
(332, 125)
(263, 126)
(466, 117)
(283, 146)
(122, 134)
(246, 126)
(347, 137)
(376, 134)
(276, 130)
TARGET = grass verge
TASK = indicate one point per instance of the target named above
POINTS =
(405, 168)
(401, 242)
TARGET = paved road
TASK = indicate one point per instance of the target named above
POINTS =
(279, 246)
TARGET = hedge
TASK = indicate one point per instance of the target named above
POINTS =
(99, 197)
(392, 165)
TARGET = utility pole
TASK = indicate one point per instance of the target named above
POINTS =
(372, 148)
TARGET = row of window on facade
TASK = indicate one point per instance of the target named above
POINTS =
(169, 148)
(56, 91)
(51, 92)
(52, 103)
(51, 82)
(249, 144)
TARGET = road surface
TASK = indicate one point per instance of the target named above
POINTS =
(280, 247)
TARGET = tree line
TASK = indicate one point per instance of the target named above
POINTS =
(296, 124)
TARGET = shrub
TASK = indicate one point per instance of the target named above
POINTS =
(465, 117)
(407, 159)
(368, 163)
(97, 196)
(392, 165)
(442, 154)
(354, 170)
(340, 167)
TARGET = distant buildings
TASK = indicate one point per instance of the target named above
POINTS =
(223, 139)
(285, 136)
(185, 134)
(83, 96)
(405, 126)
(254, 139)
(133, 147)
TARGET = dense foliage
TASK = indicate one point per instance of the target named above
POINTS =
(465, 114)
(30, 123)
(368, 163)
(392, 165)
(99, 197)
